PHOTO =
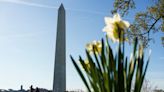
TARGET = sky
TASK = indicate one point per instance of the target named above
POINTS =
(28, 38)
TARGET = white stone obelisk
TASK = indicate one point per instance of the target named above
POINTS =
(59, 82)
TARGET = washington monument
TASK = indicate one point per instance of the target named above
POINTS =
(59, 82)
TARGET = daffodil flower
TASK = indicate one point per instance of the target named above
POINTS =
(114, 26)
(87, 64)
(95, 44)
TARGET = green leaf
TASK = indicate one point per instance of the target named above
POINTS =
(97, 61)
(102, 56)
(135, 46)
(80, 73)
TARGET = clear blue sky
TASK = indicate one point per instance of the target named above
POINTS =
(28, 33)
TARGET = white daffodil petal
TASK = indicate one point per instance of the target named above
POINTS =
(127, 24)
(108, 20)
(105, 29)
(109, 27)
(117, 17)
(110, 34)
(94, 42)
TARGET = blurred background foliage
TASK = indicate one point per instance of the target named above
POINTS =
(146, 22)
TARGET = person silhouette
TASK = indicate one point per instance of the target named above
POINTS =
(31, 89)
(37, 89)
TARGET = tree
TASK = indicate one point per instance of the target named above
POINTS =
(146, 22)
(147, 86)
